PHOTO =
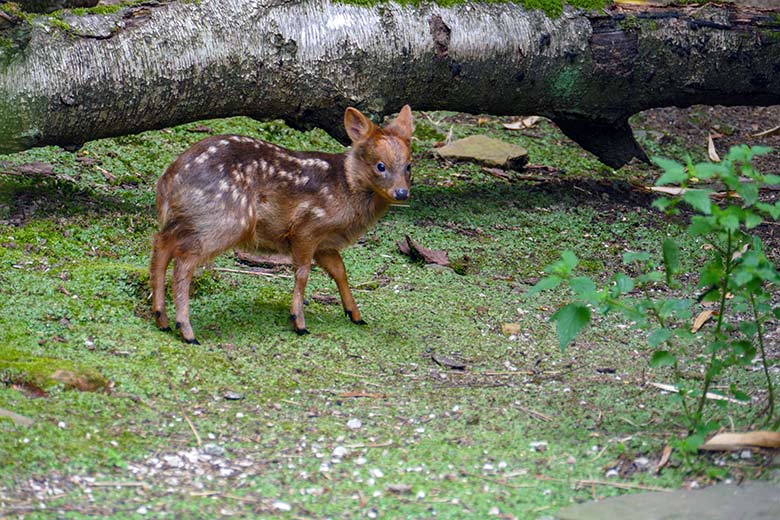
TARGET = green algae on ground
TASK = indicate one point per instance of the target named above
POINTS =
(43, 373)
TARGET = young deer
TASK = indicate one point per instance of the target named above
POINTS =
(229, 190)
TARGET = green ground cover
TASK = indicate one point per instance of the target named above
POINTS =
(347, 421)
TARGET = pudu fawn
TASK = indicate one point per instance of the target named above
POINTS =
(229, 190)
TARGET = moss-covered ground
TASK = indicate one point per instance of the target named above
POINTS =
(348, 421)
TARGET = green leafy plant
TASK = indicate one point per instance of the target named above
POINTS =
(735, 284)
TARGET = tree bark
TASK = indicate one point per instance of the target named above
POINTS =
(167, 62)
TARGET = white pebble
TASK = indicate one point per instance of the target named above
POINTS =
(339, 452)
(354, 424)
(376, 473)
(142, 510)
(282, 506)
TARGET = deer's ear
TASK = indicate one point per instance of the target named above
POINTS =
(402, 125)
(358, 126)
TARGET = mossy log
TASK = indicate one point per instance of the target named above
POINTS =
(67, 78)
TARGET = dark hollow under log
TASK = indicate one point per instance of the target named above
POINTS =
(68, 80)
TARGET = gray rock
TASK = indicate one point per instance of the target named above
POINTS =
(484, 150)
(752, 499)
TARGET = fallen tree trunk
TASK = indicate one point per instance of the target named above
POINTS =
(71, 79)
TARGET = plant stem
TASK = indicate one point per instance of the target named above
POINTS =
(760, 334)
(721, 312)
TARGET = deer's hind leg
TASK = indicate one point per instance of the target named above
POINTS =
(162, 252)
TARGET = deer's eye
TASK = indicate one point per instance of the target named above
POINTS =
(380, 167)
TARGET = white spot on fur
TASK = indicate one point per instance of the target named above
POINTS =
(212, 149)
(243, 200)
(234, 195)
(271, 170)
(300, 181)
(318, 212)
(202, 158)
(224, 142)
(224, 186)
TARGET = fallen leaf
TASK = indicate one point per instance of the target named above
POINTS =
(711, 152)
(482, 120)
(664, 459)
(701, 319)
(415, 251)
(448, 362)
(110, 177)
(767, 133)
(522, 123)
(738, 441)
(710, 395)
(741, 251)
(507, 329)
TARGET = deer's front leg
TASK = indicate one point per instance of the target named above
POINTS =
(302, 258)
(331, 261)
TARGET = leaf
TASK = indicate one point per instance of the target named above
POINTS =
(639, 256)
(570, 320)
(674, 172)
(701, 319)
(711, 152)
(523, 123)
(671, 259)
(570, 259)
(699, 200)
(730, 222)
(749, 192)
(545, 284)
(624, 283)
(583, 287)
(740, 441)
(752, 220)
(658, 336)
(662, 358)
(417, 252)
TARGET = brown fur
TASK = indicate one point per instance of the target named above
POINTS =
(228, 191)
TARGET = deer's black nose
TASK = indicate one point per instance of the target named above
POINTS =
(401, 194)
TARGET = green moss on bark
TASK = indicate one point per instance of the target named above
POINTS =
(551, 8)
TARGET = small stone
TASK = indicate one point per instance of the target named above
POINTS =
(339, 452)
(281, 506)
(612, 473)
(142, 510)
(399, 488)
(354, 424)
(213, 449)
(420, 495)
(487, 151)
(494, 511)
(746, 455)
(571, 460)
(372, 513)
(642, 462)
(539, 446)
(360, 461)
(233, 396)
(376, 473)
